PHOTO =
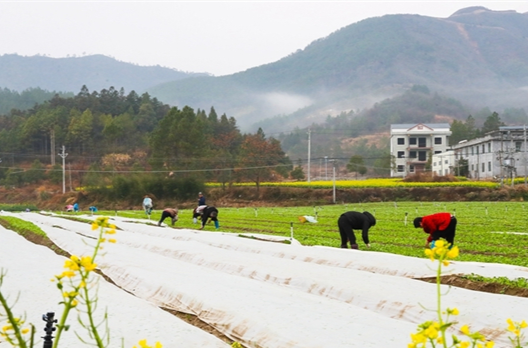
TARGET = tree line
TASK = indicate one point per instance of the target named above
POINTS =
(111, 134)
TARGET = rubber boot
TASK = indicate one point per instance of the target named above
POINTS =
(217, 224)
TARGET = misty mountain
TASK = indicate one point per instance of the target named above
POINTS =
(97, 72)
(476, 55)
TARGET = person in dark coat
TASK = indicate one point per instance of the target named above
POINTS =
(354, 220)
(439, 225)
(201, 199)
(169, 212)
(211, 214)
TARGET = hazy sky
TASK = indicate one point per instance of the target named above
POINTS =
(219, 37)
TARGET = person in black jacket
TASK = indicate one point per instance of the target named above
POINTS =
(210, 213)
(352, 220)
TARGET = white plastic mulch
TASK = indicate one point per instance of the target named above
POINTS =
(260, 293)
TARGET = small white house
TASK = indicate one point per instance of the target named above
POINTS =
(444, 163)
(413, 145)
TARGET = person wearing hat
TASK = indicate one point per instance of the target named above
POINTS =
(352, 220)
(211, 214)
(439, 225)
(201, 199)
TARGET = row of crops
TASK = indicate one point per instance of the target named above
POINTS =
(487, 231)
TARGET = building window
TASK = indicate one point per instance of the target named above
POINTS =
(438, 152)
(422, 156)
(411, 169)
(401, 141)
(412, 141)
(401, 154)
(422, 142)
(489, 166)
(472, 167)
(438, 141)
(483, 149)
(446, 161)
(412, 154)
(489, 147)
(472, 150)
(400, 169)
(483, 167)
(518, 145)
(434, 163)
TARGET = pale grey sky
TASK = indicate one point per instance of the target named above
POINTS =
(218, 37)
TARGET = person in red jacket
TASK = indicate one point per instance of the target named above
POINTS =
(439, 225)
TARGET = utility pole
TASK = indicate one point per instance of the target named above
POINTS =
(326, 168)
(52, 140)
(63, 155)
(69, 175)
(334, 187)
(309, 145)
(524, 155)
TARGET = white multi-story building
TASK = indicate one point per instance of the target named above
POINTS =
(412, 145)
(496, 155)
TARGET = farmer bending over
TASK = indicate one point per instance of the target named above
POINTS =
(173, 213)
(439, 225)
(211, 214)
(351, 220)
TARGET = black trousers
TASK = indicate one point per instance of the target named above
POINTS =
(346, 232)
(164, 215)
(449, 233)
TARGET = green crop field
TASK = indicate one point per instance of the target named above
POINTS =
(487, 231)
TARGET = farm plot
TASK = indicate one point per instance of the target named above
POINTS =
(283, 295)
(487, 231)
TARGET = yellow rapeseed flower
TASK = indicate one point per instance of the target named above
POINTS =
(68, 274)
(25, 331)
(429, 253)
(465, 330)
(464, 344)
(87, 263)
(453, 311)
(453, 253)
(111, 240)
(113, 231)
(523, 324)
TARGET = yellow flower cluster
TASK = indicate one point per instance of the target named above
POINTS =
(102, 222)
(371, 183)
(9, 333)
(515, 328)
(442, 251)
(434, 332)
(143, 344)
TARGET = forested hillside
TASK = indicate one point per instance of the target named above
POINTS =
(10, 99)
(132, 143)
(477, 56)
